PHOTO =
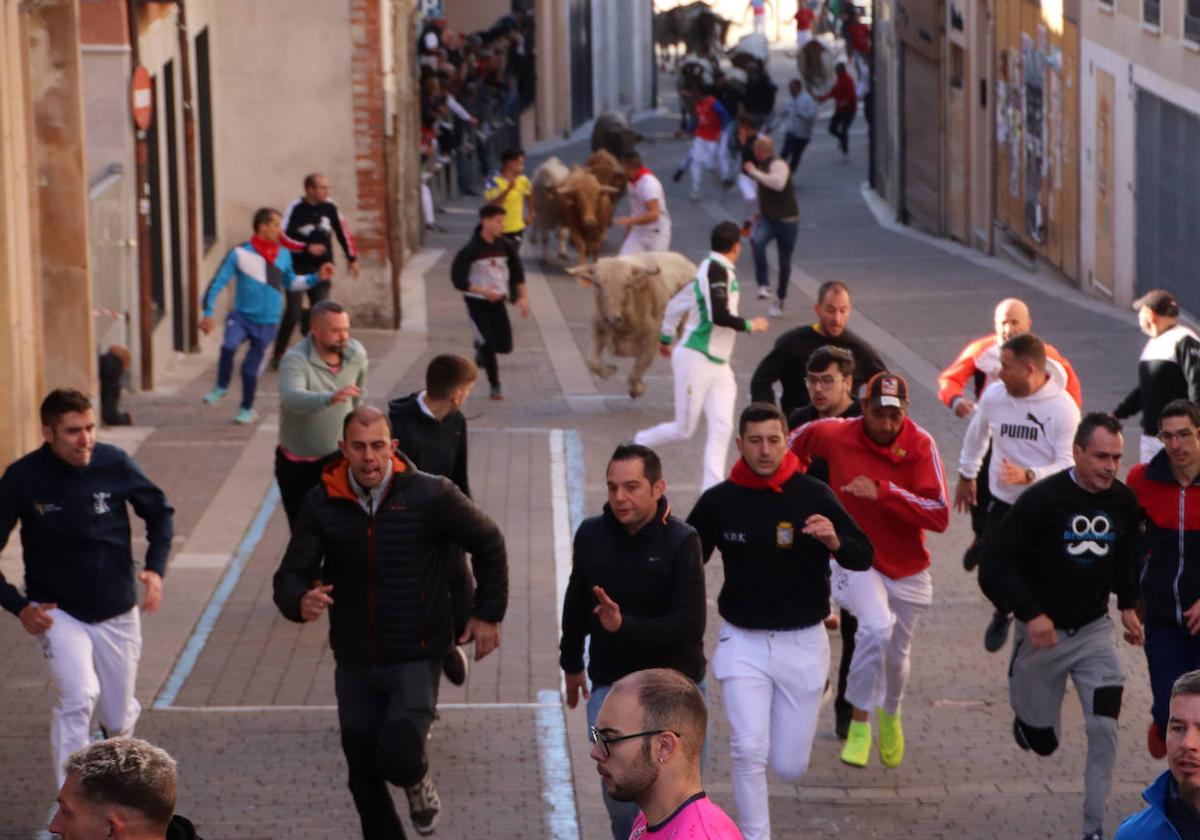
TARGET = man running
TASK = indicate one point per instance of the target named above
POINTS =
(309, 225)
(262, 272)
(887, 472)
(704, 381)
(1028, 419)
(321, 380)
(707, 133)
(845, 106)
(664, 712)
(778, 219)
(488, 271)
(637, 590)
(979, 363)
(648, 225)
(788, 359)
(1168, 490)
(510, 190)
(776, 529)
(1169, 368)
(72, 497)
(796, 117)
(1067, 543)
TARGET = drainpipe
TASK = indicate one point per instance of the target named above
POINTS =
(142, 191)
(192, 323)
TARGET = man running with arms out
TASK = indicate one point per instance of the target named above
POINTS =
(1068, 542)
(647, 741)
(637, 589)
(648, 225)
(488, 271)
(887, 472)
(979, 363)
(80, 600)
(1168, 490)
(366, 548)
(787, 362)
(704, 380)
(776, 529)
(1028, 419)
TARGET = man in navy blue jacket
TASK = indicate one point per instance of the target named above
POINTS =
(80, 597)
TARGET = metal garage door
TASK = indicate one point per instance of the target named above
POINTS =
(922, 141)
(1167, 199)
(581, 61)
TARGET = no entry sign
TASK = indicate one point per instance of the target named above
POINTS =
(141, 98)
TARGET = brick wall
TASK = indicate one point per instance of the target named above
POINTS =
(370, 226)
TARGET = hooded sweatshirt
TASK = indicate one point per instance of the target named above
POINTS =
(494, 265)
(1034, 432)
(980, 362)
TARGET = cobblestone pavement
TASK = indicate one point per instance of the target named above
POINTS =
(252, 722)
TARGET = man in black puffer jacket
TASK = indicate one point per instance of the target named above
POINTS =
(366, 547)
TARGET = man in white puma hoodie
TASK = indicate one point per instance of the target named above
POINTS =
(1030, 420)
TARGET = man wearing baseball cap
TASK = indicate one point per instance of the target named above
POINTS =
(1169, 368)
(888, 475)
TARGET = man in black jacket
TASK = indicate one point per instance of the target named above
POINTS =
(776, 529)
(431, 430)
(488, 271)
(1066, 543)
(366, 548)
(788, 359)
(309, 225)
(72, 498)
(637, 588)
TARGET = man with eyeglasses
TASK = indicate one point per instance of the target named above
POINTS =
(887, 472)
(1168, 490)
(647, 743)
(787, 363)
(776, 529)
(637, 589)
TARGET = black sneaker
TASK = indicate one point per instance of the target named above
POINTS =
(842, 712)
(972, 555)
(275, 362)
(677, 176)
(455, 666)
(424, 805)
(1095, 835)
(997, 632)
(494, 393)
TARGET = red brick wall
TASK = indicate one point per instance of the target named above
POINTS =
(369, 228)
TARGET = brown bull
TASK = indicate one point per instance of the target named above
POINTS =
(585, 207)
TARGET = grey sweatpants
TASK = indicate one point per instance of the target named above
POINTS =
(1037, 680)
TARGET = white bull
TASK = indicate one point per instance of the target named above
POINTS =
(631, 294)
(546, 217)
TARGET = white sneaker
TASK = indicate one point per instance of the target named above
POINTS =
(776, 309)
(695, 196)
(424, 805)
(763, 292)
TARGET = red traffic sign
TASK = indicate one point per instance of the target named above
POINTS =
(141, 98)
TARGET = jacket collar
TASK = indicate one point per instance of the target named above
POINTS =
(658, 520)
(336, 476)
(1159, 469)
(895, 452)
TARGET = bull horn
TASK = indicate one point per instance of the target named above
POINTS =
(606, 188)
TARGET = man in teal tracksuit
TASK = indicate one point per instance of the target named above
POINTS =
(263, 272)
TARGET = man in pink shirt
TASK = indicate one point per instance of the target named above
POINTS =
(646, 744)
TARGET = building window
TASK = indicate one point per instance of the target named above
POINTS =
(1106, 5)
(208, 181)
(1191, 21)
(1151, 13)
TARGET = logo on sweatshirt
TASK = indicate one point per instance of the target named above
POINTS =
(1090, 535)
(100, 503)
(1018, 431)
(785, 535)
(46, 507)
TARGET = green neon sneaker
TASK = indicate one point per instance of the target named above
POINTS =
(214, 396)
(891, 739)
(245, 416)
(857, 751)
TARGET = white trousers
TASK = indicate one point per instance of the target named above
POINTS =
(1149, 448)
(94, 667)
(760, 24)
(803, 36)
(701, 385)
(427, 204)
(771, 681)
(644, 240)
(887, 611)
(705, 154)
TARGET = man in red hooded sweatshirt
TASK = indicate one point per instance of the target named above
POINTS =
(845, 106)
(888, 474)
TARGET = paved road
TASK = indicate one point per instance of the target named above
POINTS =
(249, 714)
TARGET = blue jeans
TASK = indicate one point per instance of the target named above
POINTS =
(785, 233)
(1171, 651)
(621, 815)
(239, 330)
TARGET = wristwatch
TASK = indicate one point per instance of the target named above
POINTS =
(1029, 476)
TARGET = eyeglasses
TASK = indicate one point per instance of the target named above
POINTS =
(827, 381)
(1183, 436)
(606, 741)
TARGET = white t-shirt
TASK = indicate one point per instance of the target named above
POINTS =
(645, 189)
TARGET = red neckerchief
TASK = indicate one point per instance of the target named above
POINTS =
(267, 249)
(643, 171)
(743, 476)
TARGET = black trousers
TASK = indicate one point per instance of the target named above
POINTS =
(991, 528)
(839, 127)
(385, 714)
(793, 150)
(295, 479)
(983, 496)
(493, 334)
(295, 313)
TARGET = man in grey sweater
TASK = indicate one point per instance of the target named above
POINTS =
(321, 380)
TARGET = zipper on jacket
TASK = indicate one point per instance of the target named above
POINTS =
(1179, 571)
(372, 586)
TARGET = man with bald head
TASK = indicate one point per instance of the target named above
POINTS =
(778, 218)
(979, 363)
